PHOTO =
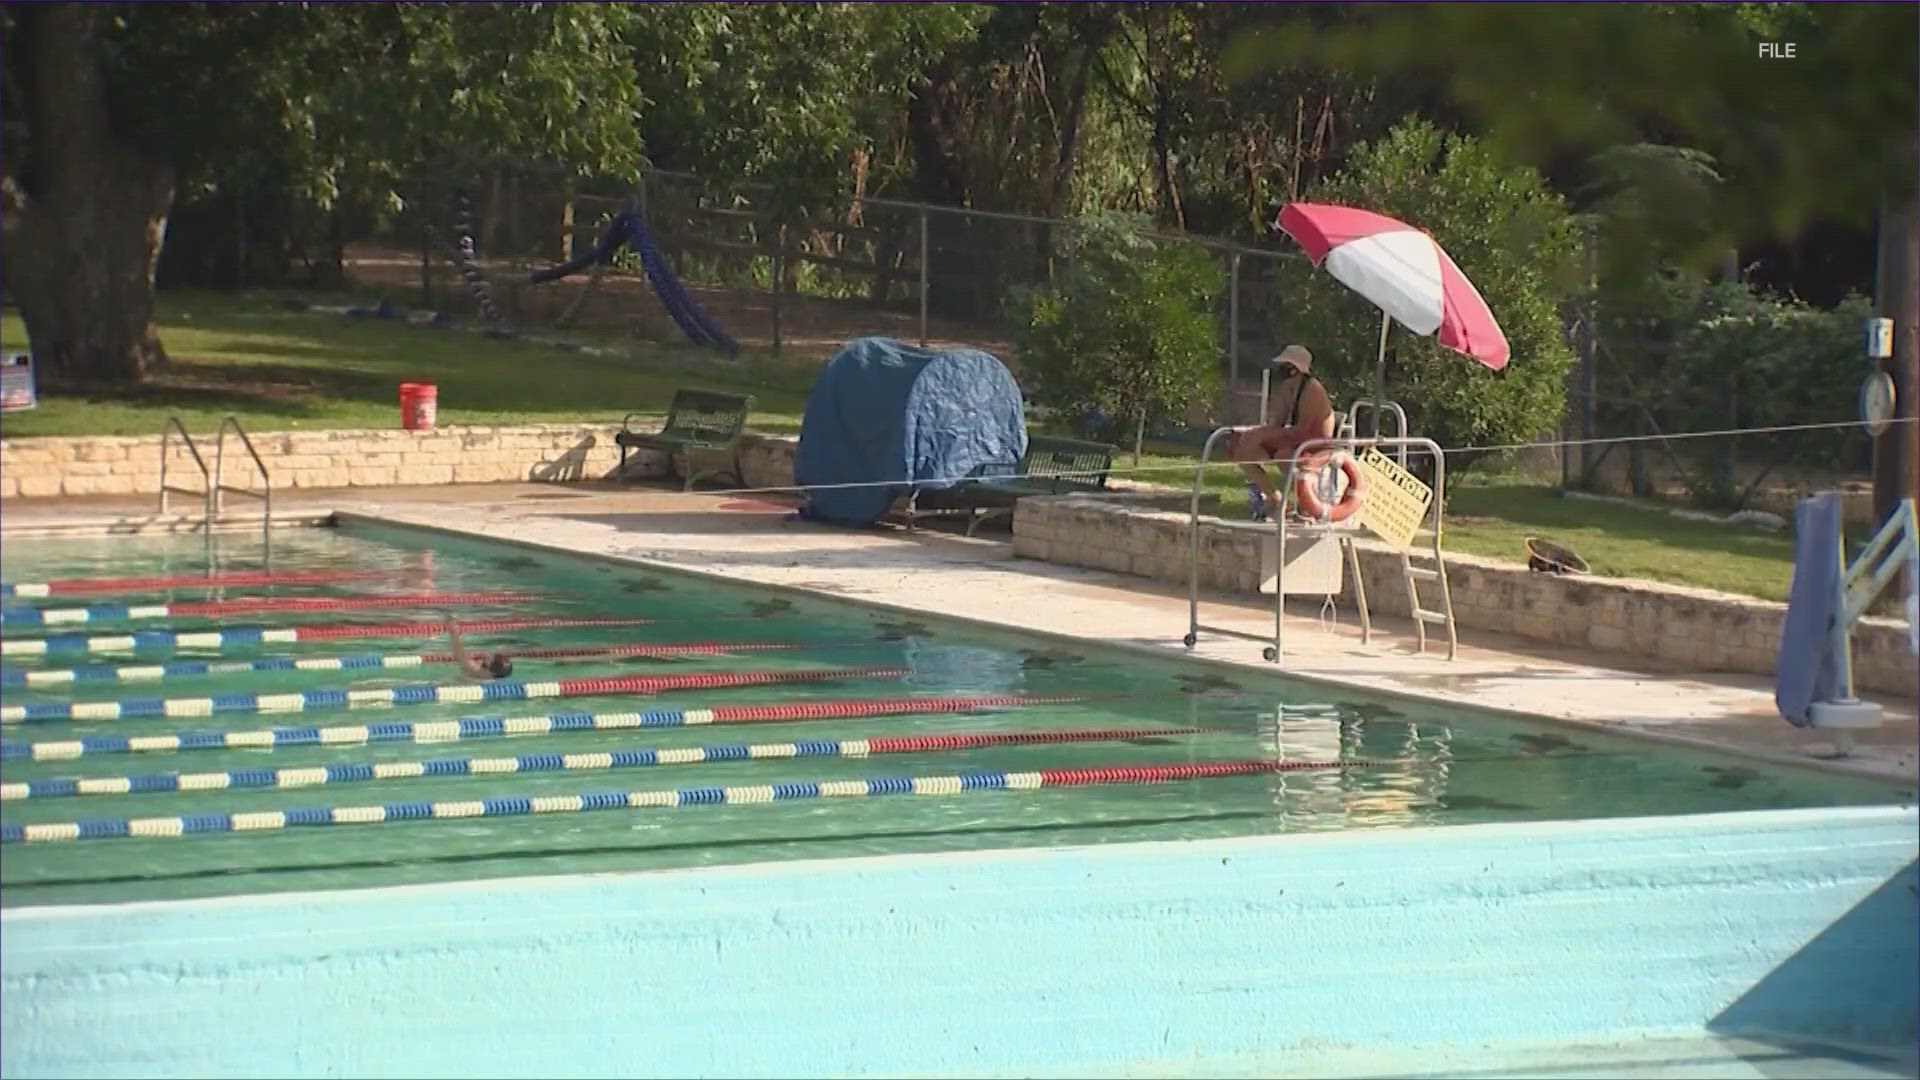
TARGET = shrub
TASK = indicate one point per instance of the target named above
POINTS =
(1742, 359)
(1511, 236)
(1129, 331)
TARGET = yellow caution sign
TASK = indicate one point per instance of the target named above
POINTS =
(1397, 500)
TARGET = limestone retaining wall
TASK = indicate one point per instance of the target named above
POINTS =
(1708, 630)
(130, 465)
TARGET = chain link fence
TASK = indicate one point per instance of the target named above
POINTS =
(1633, 430)
(789, 291)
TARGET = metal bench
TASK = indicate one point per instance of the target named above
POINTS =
(703, 424)
(1051, 466)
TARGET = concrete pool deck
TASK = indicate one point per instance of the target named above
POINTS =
(979, 579)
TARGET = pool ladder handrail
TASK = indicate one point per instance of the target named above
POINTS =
(205, 492)
(167, 430)
(1431, 530)
(219, 486)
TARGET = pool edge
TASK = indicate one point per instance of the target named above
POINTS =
(1078, 960)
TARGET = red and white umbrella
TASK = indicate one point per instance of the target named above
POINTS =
(1402, 271)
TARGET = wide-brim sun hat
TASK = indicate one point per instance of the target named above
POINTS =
(1297, 355)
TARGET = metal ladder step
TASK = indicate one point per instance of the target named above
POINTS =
(1423, 615)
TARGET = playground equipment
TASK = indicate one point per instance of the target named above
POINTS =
(1813, 675)
(627, 228)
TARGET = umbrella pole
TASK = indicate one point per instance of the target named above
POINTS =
(1380, 375)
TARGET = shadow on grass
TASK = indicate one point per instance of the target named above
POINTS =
(1541, 508)
(191, 385)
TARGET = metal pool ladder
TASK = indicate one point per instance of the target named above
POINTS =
(220, 486)
(213, 481)
(206, 477)
(1428, 535)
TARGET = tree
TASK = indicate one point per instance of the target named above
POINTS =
(782, 92)
(1131, 331)
(83, 209)
(1513, 239)
(294, 107)
(1830, 133)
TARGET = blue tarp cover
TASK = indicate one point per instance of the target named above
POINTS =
(883, 411)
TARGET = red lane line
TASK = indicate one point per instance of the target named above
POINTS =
(128, 584)
(691, 648)
(331, 603)
(839, 710)
(646, 684)
(1192, 770)
(894, 744)
(847, 710)
(430, 629)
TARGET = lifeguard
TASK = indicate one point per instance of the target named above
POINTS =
(1300, 411)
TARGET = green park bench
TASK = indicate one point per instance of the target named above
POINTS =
(1051, 466)
(705, 425)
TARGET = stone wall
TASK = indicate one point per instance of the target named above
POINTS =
(130, 465)
(1707, 630)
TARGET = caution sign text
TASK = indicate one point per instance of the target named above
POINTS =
(1396, 502)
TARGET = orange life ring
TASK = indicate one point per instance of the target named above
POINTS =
(1309, 500)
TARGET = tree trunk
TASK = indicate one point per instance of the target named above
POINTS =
(939, 173)
(490, 212)
(1070, 136)
(1063, 160)
(83, 222)
(1897, 451)
(566, 245)
(1171, 211)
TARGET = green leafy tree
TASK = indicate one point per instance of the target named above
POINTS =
(1513, 239)
(1830, 134)
(112, 110)
(1130, 332)
(782, 92)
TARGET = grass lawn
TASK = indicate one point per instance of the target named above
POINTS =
(278, 369)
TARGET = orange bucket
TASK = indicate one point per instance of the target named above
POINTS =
(419, 403)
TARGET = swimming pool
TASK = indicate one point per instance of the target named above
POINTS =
(1413, 765)
(1369, 768)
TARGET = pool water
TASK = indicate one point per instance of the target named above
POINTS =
(1424, 765)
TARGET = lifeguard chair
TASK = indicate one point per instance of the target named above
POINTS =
(1309, 557)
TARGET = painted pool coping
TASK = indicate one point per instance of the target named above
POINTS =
(1155, 958)
(348, 518)
(1493, 832)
